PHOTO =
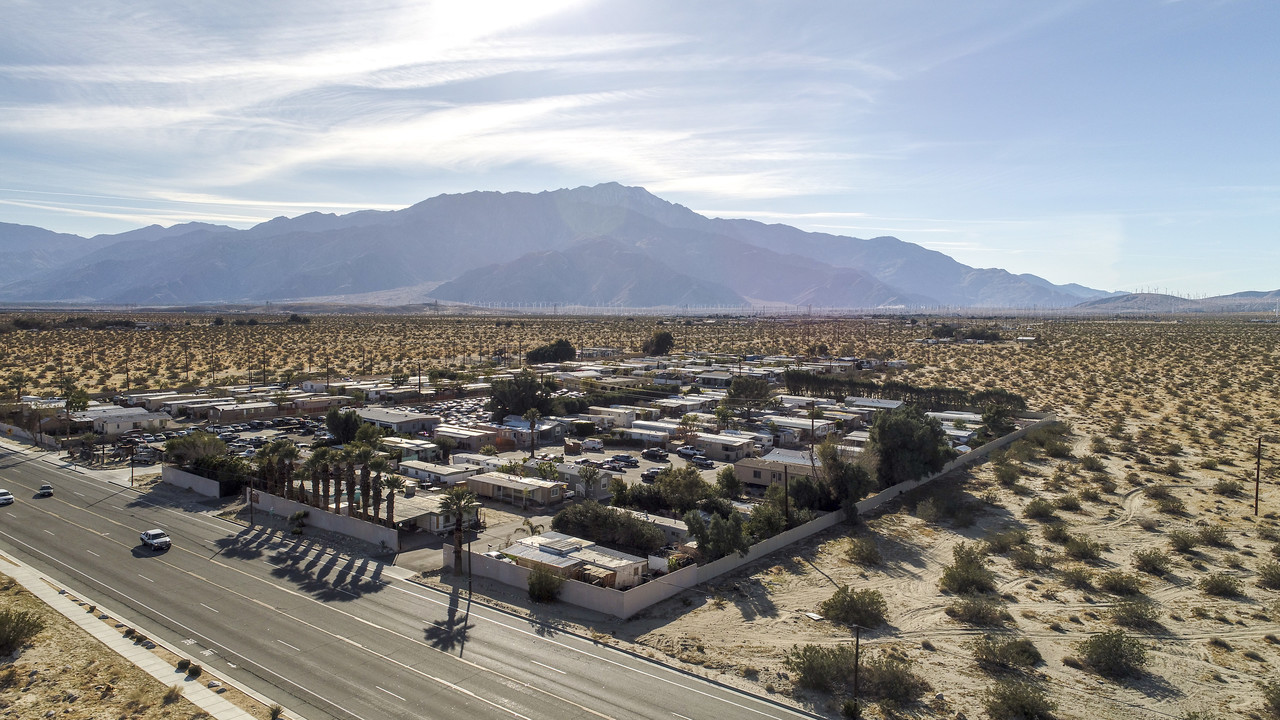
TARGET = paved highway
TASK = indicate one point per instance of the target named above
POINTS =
(324, 635)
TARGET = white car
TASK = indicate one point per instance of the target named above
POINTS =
(6, 497)
(156, 539)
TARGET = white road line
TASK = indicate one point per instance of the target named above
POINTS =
(288, 645)
(144, 577)
(10, 514)
(391, 694)
(681, 716)
(206, 606)
(78, 493)
(48, 532)
(535, 662)
(93, 553)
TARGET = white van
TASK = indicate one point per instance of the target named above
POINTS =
(592, 444)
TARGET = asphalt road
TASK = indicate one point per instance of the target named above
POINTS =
(326, 636)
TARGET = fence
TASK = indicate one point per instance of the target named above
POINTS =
(191, 481)
(624, 604)
(14, 432)
(333, 522)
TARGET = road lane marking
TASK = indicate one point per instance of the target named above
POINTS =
(206, 606)
(48, 532)
(391, 694)
(144, 577)
(535, 662)
(529, 633)
(681, 716)
(288, 645)
(93, 553)
(78, 493)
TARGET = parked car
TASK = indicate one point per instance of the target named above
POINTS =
(688, 451)
(6, 497)
(611, 465)
(650, 475)
(655, 454)
(626, 461)
(46, 490)
(156, 539)
(700, 462)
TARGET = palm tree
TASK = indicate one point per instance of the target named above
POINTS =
(326, 471)
(286, 454)
(394, 484)
(312, 468)
(532, 416)
(529, 528)
(589, 477)
(349, 477)
(458, 502)
(363, 456)
(378, 465)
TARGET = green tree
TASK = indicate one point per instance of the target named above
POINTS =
(189, 448)
(724, 416)
(519, 395)
(718, 538)
(399, 377)
(378, 466)
(907, 445)
(660, 343)
(682, 488)
(343, 424)
(727, 483)
(369, 434)
(393, 484)
(748, 393)
(458, 503)
(559, 351)
(446, 445)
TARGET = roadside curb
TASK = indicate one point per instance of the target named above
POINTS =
(193, 690)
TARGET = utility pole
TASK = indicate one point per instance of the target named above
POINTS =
(786, 497)
(1257, 479)
(857, 643)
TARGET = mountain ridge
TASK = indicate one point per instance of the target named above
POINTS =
(478, 244)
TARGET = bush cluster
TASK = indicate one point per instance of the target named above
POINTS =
(1113, 654)
(994, 651)
(1012, 699)
(1140, 613)
(866, 608)
(968, 572)
(544, 585)
(978, 610)
(1119, 583)
(863, 551)
(1220, 585)
(17, 627)
(1152, 561)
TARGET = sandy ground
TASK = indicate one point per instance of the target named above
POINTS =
(1205, 656)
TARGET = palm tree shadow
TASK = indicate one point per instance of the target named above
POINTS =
(452, 632)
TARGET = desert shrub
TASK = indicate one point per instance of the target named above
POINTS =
(1083, 548)
(1220, 585)
(1057, 449)
(1056, 533)
(819, 668)
(194, 671)
(1067, 502)
(1119, 583)
(17, 627)
(1038, 509)
(1113, 654)
(1157, 492)
(1090, 494)
(1148, 523)
(1098, 445)
(928, 510)
(544, 585)
(1215, 535)
(1014, 699)
(1138, 613)
(1152, 561)
(863, 551)
(978, 610)
(1006, 474)
(968, 572)
(890, 677)
(1024, 558)
(183, 664)
(1173, 468)
(1092, 463)
(1171, 506)
(172, 695)
(1183, 541)
(1006, 652)
(1228, 488)
(1077, 578)
(855, 607)
(1002, 542)
(1269, 575)
(275, 711)
(1271, 697)
(1268, 533)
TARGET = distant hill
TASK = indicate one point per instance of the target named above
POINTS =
(1158, 303)
(602, 245)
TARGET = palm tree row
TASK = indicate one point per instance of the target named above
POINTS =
(357, 467)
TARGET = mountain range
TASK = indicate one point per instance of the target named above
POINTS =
(606, 245)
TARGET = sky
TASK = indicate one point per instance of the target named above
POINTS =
(1120, 144)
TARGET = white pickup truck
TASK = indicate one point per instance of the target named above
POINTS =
(156, 539)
